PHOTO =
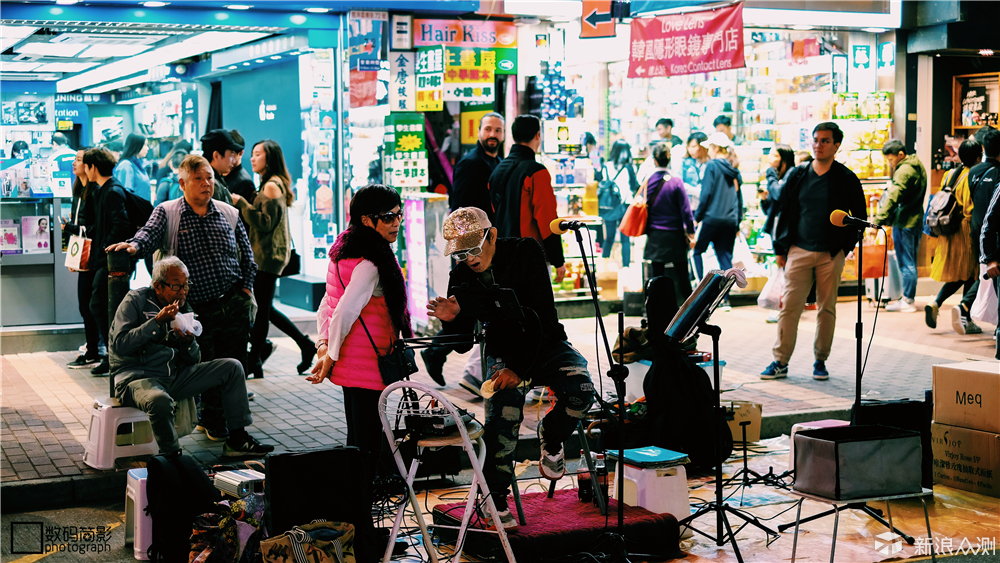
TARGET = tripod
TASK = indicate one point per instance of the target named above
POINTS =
(749, 477)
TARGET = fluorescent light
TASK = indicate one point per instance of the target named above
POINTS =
(258, 61)
(66, 67)
(154, 4)
(18, 66)
(45, 49)
(802, 27)
(239, 7)
(246, 64)
(275, 57)
(317, 10)
(66, 2)
(103, 51)
(986, 52)
(874, 29)
(203, 43)
(231, 67)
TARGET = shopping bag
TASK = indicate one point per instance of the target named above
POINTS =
(984, 308)
(873, 261)
(774, 289)
(634, 221)
(317, 542)
(78, 252)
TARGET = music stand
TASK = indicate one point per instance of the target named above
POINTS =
(690, 320)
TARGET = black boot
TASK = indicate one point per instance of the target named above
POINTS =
(255, 367)
(308, 349)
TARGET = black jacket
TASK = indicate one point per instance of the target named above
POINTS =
(989, 239)
(472, 179)
(518, 264)
(111, 224)
(984, 178)
(240, 182)
(845, 194)
(720, 202)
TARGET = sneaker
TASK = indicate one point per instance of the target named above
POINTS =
(776, 370)
(82, 361)
(435, 368)
(959, 319)
(972, 328)
(773, 317)
(810, 307)
(250, 395)
(214, 434)
(930, 314)
(103, 368)
(472, 385)
(507, 520)
(246, 447)
(819, 371)
(904, 305)
(551, 466)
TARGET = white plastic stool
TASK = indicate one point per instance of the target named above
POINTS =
(658, 490)
(108, 441)
(828, 423)
(138, 524)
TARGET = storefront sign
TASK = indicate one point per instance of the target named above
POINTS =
(365, 36)
(471, 115)
(402, 81)
(461, 92)
(596, 20)
(406, 149)
(886, 55)
(862, 57)
(687, 43)
(451, 33)
(364, 86)
(430, 78)
(401, 32)
(478, 65)
(83, 98)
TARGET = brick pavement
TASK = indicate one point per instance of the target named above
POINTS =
(45, 407)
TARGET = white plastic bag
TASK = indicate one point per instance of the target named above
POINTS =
(774, 289)
(984, 308)
(185, 322)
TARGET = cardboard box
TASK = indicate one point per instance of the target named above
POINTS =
(968, 395)
(966, 459)
(743, 411)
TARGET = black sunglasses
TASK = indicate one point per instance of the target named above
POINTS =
(388, 217)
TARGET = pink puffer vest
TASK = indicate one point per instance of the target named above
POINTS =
(357, 366)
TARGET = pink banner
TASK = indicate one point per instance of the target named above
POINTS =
(679, 44)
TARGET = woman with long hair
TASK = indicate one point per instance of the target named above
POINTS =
(20, 150)
(364, 284)
(670, 230)
(271, 241)
(693, 166)
(620, 157)
(780, 161)
(81, 217)
(720, 207)
(954, 264)
(131, 170)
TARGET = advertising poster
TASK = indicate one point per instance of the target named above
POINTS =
(35, 234)
(430, 78)
(687, 43)
(363, 89)
(406, 150)
(364, 40)
(402, 81)
(975, 104)
(10, 236)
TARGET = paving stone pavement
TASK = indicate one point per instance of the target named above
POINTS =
(45, 407)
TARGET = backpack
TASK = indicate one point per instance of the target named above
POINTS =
(138, 210)
(944, 213)
(172, 209)
(177, 490)
(609, 198)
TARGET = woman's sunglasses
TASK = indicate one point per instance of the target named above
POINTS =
(388, 217)
(462, 256)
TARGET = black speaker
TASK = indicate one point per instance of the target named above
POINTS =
(908, 415)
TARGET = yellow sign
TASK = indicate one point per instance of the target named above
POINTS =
(470, 125)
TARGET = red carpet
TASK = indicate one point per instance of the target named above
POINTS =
(563, 525)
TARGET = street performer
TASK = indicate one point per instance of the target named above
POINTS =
(520, 354)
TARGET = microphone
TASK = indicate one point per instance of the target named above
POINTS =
(562, 226)
(842, 219)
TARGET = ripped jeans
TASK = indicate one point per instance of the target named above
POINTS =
(559, 367)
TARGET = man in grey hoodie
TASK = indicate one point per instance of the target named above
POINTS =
(155, 365)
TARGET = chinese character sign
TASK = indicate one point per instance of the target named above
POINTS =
(402, 81)
(687, 43)
(365, 36)
(430, 78)
(406, 150)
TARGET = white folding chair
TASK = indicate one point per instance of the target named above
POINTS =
(409, 399)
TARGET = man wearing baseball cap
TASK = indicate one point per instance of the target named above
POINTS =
(519, 354)
(219, 148)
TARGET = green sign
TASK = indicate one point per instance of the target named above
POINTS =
(862, 57)
(406, 149)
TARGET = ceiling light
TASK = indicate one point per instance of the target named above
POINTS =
(44, 49)
(66, 67)
(986, 52)
(239, 7)
(154, 4)
(275, 57)
(109, 50)
(207, 42)
(317, 10)
(18, 67)
(246, 64)
(232, 67)
(117, 85)
(258, 61)
(874, 29)
(802, 27)
(66, 2)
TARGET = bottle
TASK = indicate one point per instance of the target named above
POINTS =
(601, 474)
(584, 490)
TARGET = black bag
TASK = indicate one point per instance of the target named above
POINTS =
(294, 265)
(398, 363)
(609, 198)
(178, 490)
(343, 494)
(138, 210)
(908, 415)
(944, 213)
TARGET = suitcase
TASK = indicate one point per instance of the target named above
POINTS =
(908, 415)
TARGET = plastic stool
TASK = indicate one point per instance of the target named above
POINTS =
(138, 524)
(828, 423)
(117, 432)
(658, 490)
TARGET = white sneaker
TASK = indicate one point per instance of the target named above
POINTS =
(904, 305)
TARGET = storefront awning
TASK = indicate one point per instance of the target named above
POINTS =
(646, 7)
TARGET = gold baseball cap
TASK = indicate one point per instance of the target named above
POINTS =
(463, 229)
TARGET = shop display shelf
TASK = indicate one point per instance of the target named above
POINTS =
(27, 259)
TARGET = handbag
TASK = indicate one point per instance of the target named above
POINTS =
(984, 308)
(294, 265)
(317, 542)
(395, 365)
(637, 215)
(78, 248)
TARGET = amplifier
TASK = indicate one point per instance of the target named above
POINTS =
(439, 423)
(240, 483)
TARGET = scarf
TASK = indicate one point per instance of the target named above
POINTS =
(367, 244)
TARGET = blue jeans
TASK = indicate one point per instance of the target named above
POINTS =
(557, 366)
(722, 239)
(610, 232)
(906, 242)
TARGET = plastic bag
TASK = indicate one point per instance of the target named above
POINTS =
(774, 289)
(185, 322)
(984, 308)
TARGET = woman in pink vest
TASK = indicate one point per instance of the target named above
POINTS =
(364, 286)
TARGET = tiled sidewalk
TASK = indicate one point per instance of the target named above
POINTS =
(46, 407)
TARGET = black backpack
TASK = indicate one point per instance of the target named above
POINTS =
(944, 213)
(177, 490)
(609, 198)
(138, 210)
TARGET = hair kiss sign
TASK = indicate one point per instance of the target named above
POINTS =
(704, 41)
(453, 33)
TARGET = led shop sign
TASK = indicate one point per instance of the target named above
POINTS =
(451, 33)
(674, 45)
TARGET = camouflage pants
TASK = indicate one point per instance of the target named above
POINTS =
(559, 367)
(225, 333)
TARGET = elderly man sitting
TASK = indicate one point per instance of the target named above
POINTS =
(154, 365)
